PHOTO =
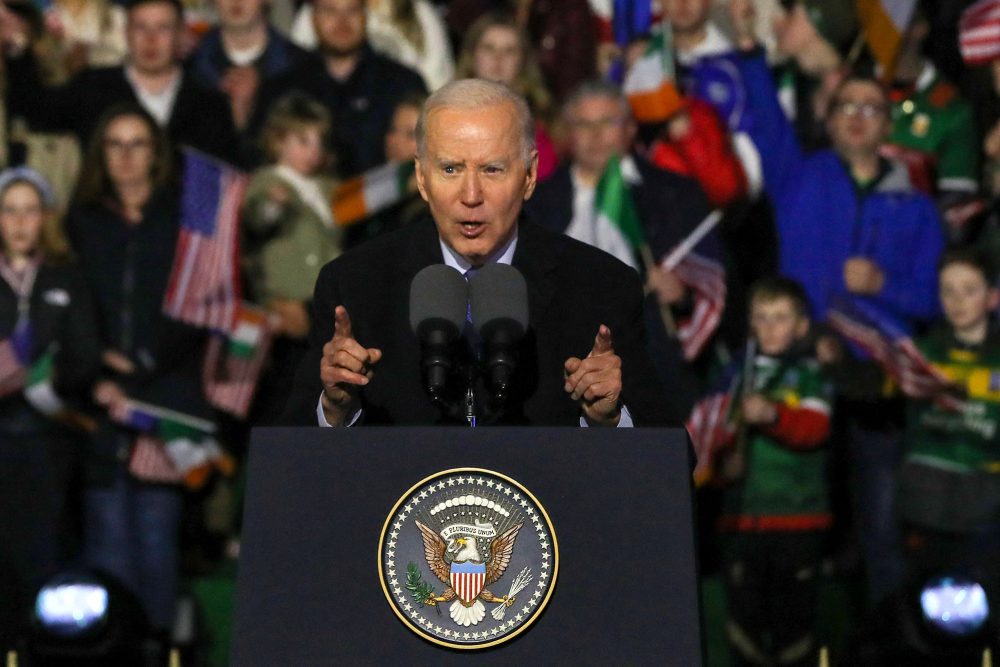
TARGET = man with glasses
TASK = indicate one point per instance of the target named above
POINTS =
(601, 128)
(152, 76)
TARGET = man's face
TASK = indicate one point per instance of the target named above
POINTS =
(966, 298)
(776, 324)
(153, 35)
(340, 26)
(474, 177)
(236, 14)
(859, 118)
(598, 129)
(687, 15)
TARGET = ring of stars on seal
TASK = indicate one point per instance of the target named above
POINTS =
(468, 558)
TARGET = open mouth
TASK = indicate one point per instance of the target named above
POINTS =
(472, 228)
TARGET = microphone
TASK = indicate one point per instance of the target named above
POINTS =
(438, 303)
(499, 298)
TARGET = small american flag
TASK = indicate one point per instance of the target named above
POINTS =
(711, 430)
(706, 279)
(979, 32)
(204, 282)
(233, 361)
(888, 342)
(150, 463)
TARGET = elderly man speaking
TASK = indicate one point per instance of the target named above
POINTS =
(582, 360)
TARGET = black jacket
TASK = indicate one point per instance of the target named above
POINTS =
(572, 290)
(62, 314)
(200, 117)
(361, 106)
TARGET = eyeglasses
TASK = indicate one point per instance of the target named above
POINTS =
(598, 124)
(118, 146)
(12, 211)
(863, 109)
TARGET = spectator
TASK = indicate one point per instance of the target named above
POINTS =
(401, 146)
(668, 206)
(243, 51)
(409, 31)
(949, 483)
(706, 71)
(124, 226)
(776, 513)
(290, 232)
(152, 77)
(497, 49)
(932, 122)
(359, 87)
(45, 310)
(851, 225)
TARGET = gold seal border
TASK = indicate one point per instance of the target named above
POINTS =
(422, 633)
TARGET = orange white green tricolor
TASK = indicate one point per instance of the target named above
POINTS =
(649, 83)
(884, 23)
(375, 190)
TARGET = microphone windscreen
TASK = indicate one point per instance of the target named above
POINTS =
(499, 298)
(438, 295)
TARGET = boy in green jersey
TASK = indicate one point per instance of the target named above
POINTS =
(949, 487)
(776, 515)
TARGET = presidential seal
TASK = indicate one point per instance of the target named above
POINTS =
(468, 558)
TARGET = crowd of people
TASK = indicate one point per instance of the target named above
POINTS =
(840, 317)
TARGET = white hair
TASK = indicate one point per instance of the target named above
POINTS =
(472, 94)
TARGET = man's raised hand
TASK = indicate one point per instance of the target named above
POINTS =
(596, 381)
(345, 366)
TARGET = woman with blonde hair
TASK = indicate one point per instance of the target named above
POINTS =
(496, 48)
(47, 323)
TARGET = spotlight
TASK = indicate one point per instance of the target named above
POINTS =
(72, 607)
(955, 607)
(86, 618)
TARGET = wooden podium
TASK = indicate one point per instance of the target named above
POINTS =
(619, 501)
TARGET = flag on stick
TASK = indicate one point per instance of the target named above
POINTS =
(375, 190)
(233, 361)
(888, 342)
(204, 286)
(884, 23)
(650, 83)
(701, 272)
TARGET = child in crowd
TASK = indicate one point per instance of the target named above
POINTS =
(949, 486)
(290, 232)
(776, 512)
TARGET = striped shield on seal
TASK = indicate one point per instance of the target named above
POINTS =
(468, 579)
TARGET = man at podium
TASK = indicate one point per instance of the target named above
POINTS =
(582, 360)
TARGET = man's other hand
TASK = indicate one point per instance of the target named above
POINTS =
(596, 381)
(346, 365)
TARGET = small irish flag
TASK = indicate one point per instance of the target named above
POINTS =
(233, 361)
(39, 390)
(650, 85)
(373, 191)
(884, 22)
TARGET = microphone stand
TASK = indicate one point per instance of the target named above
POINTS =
(470, 395)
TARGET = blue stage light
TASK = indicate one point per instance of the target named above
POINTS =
(72, 606)
(954, 606)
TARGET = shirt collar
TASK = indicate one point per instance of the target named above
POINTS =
(504, 255)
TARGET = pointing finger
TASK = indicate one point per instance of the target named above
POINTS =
(342, 323)
(602, 342)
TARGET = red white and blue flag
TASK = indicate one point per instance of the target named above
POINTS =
(887, 341)
(467, 580)
(204, 286)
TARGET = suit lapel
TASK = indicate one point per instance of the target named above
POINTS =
(535, 259)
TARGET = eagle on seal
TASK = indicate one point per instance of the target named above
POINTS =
(458, 563)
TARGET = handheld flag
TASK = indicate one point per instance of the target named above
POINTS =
(375, 190)
(233, 361)
(884, 23)
(204, 286)
(979, 33)
(650, 84)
